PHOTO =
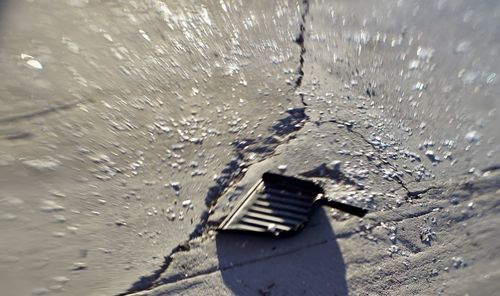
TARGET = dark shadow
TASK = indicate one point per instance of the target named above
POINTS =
(289, 123)
(308, 263)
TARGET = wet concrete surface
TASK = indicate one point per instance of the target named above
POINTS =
(128, 129)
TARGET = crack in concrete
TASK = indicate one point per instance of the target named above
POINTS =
(491, 168)
(416, 194)
(406, 243)
(300, 40)
(232, 173)
(43, 111)
(409, 193)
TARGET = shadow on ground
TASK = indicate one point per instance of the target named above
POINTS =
(309, 263)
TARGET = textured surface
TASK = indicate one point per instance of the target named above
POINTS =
(129, 129)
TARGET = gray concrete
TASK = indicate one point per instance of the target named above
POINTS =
(132, 96)
(115, 113)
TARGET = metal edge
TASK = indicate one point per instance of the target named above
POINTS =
(239, 206)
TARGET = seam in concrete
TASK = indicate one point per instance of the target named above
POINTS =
(234, 172)
(409, 193)
(231, 172)
(43, 111)
(300, 40)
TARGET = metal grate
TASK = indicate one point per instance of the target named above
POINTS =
(275, 204)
